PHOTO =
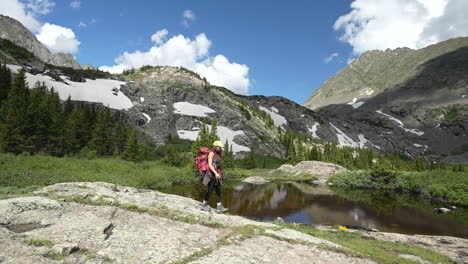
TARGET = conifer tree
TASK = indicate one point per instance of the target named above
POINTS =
(38, 123)
(228, 156)
(5, 82)
(101, 140)
(74, 132)
(250, 162)
(14, 116)
(132, 149)
(68, 107)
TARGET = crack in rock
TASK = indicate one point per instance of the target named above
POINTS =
(108, 230)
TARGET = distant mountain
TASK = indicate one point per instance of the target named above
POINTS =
(15, 32)
(375, 71)
(412, 99)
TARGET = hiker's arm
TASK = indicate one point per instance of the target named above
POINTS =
(210, 164)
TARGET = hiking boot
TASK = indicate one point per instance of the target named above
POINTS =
(204, 206)
(221, 208)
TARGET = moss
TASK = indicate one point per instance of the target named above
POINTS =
(194, 256)
(376, 250)
(39, 242)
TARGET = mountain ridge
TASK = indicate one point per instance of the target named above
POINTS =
(15, 32)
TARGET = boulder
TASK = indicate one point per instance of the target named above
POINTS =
(322, 170)
(256, 180)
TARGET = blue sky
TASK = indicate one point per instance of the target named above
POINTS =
(279, 47)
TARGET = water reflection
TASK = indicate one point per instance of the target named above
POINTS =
(302, 203)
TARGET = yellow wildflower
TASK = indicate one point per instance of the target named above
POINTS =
(343, 228)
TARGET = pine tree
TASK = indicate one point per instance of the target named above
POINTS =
(250, 162)
(14, 116)
(68, 107)
(228, 156)
(5, 82)
(75, 134)
(132, 149)
(213, 135)
(101, 140)
(55, 145)
(39, 120)
(121, 138)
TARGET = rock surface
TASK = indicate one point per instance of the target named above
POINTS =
(322, 170)
(256, 180)
(15, 32)
(102, 222)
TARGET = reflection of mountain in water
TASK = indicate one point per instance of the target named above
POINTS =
(305, 204)
(302, 203)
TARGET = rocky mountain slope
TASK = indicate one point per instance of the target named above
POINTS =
(425, 115)
(415, 97)
(14, 31)
(102, 222)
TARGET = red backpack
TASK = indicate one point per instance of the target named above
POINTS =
(202, 159)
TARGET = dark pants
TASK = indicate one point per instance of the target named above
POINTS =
(213, 185)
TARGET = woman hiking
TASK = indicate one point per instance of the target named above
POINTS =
(215, 174)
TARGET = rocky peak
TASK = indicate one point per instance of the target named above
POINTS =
(15, 32)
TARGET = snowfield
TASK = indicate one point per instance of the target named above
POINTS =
(278, 119)
(96, 91)
(189, 109)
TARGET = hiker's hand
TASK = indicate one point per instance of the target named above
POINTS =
(218, 176)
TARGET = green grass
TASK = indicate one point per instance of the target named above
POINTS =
(440, 185)
(370, 248)
(24, 174)
(39, 243)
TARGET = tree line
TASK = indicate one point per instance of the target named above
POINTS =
(35, 121)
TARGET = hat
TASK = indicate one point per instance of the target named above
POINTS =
(217, 143)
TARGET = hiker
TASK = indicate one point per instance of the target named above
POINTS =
(215, 176)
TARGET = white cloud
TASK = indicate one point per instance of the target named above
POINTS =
(75, 4)
(26, 13)
(42, 7)
(58, 39)
(82, 24)
(331, 57)
(188, 16)
(382, 24)
(189, 53)
(159, 36)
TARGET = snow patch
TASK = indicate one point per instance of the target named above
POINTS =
(186, 108)
(400, 124)
(102, 91)
(224, 133)
(357, 105)
(14, 68)
(343, 139)
(228, 134)
(353, 102)
(303, 115)
(279, 120)
(463, 95)
(142, 99)
(367, 91)
(188, 134)
(313, 130)
(147, 117)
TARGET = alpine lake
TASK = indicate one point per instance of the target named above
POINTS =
(304, 203)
